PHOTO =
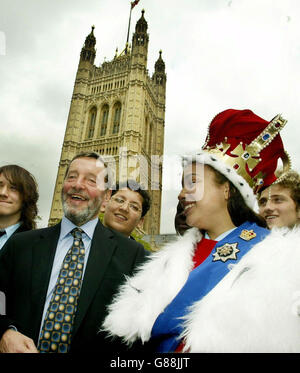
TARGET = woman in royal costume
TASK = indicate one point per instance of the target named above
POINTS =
(163, 302)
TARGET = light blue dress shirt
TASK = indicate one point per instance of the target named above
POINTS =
(8, 232)
(65, 242)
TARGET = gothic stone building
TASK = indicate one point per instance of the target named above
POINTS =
(118, 110)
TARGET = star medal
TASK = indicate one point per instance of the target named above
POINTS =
(247, 235)
(225, 252)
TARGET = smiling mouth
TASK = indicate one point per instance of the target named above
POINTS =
(77, 198)
(188, 206)
(121, 217)
(271, 217)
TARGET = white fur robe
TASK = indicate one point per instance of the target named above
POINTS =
(255, 308)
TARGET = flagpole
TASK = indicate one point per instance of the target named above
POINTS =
(128, 29)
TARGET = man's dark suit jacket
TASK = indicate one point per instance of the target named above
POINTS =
(19, 230)
(25, 267)
(2, 297)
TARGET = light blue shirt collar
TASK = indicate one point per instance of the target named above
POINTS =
(8, 232)
(223, 235)
(67, 226)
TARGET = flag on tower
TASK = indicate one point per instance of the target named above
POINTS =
(134, 3)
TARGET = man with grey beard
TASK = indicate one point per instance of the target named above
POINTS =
(59, 280)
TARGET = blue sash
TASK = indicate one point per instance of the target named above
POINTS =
(201, 281)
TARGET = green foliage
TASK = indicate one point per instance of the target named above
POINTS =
(101, 216)
(134, 234)
(139, 239)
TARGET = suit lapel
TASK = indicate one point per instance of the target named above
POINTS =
(102, 248)
(43, 252)
(21, 229)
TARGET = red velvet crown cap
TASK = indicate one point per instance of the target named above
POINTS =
(236, 127)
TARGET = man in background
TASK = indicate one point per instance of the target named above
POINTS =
(279, 204)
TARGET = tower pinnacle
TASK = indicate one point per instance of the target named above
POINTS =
(159, 75)
(88, 51)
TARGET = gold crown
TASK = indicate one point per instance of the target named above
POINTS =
(247, 235)
(250, 156)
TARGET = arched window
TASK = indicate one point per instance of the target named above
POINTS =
(91, 123)
(104, 118)
(117, 117)
(150, 138)
(146, 134)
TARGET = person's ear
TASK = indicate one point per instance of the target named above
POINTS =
(103, 206)
(141, 223)
(226, 190)
(107, 195)
(105, 201)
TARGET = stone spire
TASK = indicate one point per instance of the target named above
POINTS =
(88, 51)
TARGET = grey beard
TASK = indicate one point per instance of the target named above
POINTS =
(80, 217)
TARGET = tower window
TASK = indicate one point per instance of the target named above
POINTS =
(140, 40)
(91, 123)
(117, 118)
(104, 118)
(150, 138)
(146, 134)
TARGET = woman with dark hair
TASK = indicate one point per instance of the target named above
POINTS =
(238, 158)
(237, 208)
(180, 221)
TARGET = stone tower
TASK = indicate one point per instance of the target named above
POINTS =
(118, 110)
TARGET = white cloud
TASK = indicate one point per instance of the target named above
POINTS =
(218, 54)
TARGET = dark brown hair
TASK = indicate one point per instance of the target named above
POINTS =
(236, 205)
(93, 155)
(136, 187)
(180, 220)
(26, 185)
(290, 181)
